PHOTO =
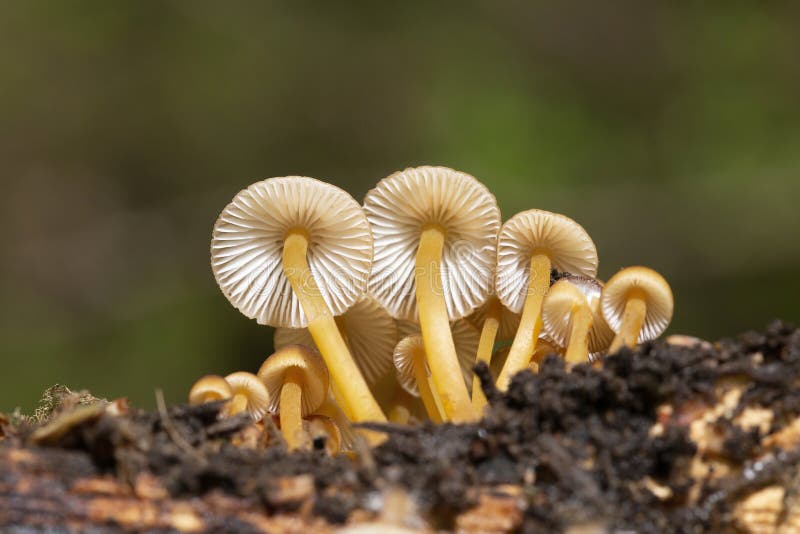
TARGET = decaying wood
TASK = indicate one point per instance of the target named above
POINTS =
(48, 490)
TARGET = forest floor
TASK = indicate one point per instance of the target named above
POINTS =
(695, 437)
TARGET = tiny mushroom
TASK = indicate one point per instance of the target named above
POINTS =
(532, 243)
(413, 370)
(294, 252)
(297, 379)
(435, 235)
(367, 329)
(637, 304)
(571, 317)
(210, 388)
(321, 428)
(249, 395)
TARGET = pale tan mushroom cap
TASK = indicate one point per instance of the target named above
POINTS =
(309, 362)
(658, 299)
(566, 243)
(465, 339)
(247, 248)
(210, 388)
(250, 386)
(400, 206)
(557, 308)
(371, 336)
(509, 321)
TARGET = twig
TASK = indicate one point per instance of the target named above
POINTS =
(173, 432)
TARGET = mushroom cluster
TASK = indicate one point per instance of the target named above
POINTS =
(384, 309)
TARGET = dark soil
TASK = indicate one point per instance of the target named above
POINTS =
(579, 444)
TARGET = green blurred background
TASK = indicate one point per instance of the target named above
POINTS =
(671, 132)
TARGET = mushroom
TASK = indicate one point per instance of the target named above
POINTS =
(403, 406)
(330, 409)
(496, 323)
(249, 395)
(571, 317)
(297, 379)
(413, 368)
(210, 388)
(413, 375)
(530, 244)
(435, 234)
(637, 304)
(294, 252)
(367, 329)
(323, 428)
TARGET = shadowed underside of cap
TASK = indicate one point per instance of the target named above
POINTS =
(566, 243)
(509, 321)
(247, 247)
(370, 332)
(658, 298)
(400, 206)
(465, 338)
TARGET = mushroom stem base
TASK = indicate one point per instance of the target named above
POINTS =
(356, 399)
(632, 321)
(491, 324)
(578, 345)
(439, 347)
(519, 356)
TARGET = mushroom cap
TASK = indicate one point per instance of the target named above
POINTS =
(322, 426)
(306, 360)
(247, 248)
(248, 384)
(509, 321)
(465, 339)
(566, 243)
(371, 337)
(557, 311)
(210, 388)
(658, 299)
(400, 206)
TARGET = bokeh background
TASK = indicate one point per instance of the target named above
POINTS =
(671, 131)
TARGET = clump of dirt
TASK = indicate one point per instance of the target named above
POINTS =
(612, 444)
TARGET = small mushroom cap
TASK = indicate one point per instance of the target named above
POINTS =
(400, 206)
(321, 426)
(250, 386)
(509, 321)
(557, 310)
(465, 339)
(658, 299)
(309, 362)
(371, 337)
(566, 243)
(210, 388)
(247, 248)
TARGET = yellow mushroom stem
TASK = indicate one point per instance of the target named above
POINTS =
(238, 404)
(354, 396)
(401, 405)
(433, 405)
(289, 406)
(435, 325)
(519, 356)
(578, 345)
(491, 324)
(632, 321)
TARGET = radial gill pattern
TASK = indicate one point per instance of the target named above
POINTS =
(247, 246)
(400, 206)
(566, 243)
